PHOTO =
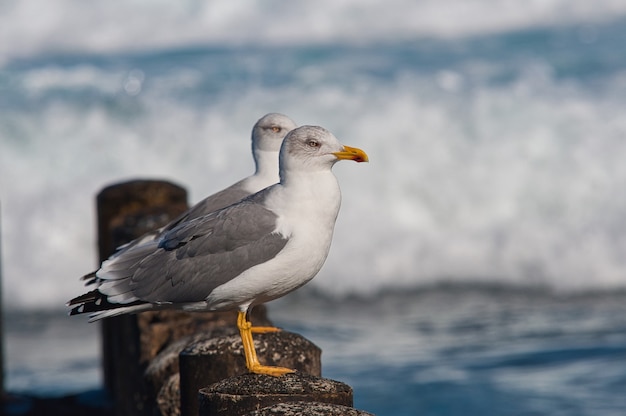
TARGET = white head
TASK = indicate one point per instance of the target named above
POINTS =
(313, 148)
(267, 137)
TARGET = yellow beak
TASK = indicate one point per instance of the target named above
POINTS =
(352, 153)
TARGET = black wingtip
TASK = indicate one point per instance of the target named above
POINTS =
(90, 278)
(91, 296)
(94, 301)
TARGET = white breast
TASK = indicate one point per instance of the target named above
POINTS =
(307, 214)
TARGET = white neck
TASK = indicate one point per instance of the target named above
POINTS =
(266, 163)
(266, 172)
(314, 193)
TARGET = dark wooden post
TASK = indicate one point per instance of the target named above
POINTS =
(198, 327)
(127, 211)
(208, 361)
(307, 409)
(243, 394)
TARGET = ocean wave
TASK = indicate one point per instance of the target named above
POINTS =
(70, 26)
(496, 159)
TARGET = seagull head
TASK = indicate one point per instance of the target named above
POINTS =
(267, 137)
(269, 131)
(315, 148)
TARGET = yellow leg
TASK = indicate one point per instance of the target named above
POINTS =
(252, 362)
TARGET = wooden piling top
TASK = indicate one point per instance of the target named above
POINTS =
(249, 392)
(307, 409)
(212, 360)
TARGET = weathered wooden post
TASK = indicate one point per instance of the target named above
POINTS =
(208, 361)
(127, 211)
(302, 408)
(250, 392)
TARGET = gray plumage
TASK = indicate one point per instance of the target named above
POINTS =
(267, 137)
(222, 245)
(250, 252)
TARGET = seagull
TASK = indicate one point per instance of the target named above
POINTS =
(267, 136)
(251, 252)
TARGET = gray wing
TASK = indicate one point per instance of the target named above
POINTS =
(199, 255)
(217, 201)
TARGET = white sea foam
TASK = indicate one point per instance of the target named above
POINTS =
(496, 168)
(74, 26)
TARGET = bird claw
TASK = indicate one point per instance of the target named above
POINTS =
(264, 329)
(270, 370)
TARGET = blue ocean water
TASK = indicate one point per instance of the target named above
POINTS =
(446, 350)
(458, 350)
(477, 264)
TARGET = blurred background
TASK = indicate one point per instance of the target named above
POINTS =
(478, 261)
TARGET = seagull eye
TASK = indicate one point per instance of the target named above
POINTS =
(276, 129)
(313, 143)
